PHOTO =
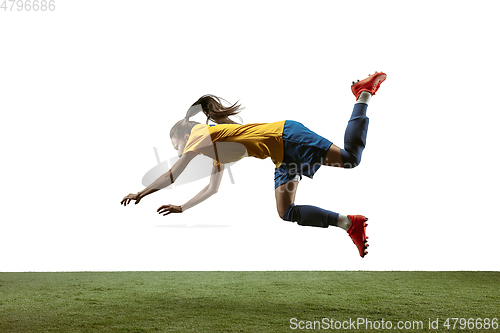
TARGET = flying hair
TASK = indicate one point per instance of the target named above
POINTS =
(212, 107)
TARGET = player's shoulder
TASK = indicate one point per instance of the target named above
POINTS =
(200, 129)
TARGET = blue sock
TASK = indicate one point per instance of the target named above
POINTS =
(311, 216)
(355, 136)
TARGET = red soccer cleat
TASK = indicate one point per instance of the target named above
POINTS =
(370, 84)
(357, 232)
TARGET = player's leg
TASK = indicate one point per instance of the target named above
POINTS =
(357, 128)
(307, 215)
(354, 140)
(285, 196)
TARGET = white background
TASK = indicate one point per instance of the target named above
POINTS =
(88, 90)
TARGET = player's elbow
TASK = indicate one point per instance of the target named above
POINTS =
(169, 176)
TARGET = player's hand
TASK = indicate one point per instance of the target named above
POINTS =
(167, 209)
(130, 197)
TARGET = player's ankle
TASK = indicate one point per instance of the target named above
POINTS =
(364, 97)
(344, 222)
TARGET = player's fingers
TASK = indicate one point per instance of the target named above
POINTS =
(164, 209)
(161, 208)
(166, 213)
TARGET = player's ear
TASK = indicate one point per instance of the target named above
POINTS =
(186, 137)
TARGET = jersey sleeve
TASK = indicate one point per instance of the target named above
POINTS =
(198, 139)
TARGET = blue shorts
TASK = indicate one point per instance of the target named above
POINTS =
(303, 153)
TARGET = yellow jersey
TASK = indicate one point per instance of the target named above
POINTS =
(227, 143)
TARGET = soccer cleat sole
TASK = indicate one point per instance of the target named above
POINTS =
(357, 232)
(365, 252)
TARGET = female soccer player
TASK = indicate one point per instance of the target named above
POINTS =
(294, 149)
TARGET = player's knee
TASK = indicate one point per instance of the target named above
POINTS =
(350, 160)
(352, 164)
(281, 212)
(287, 214)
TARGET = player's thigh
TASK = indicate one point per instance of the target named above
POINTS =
(285, 195)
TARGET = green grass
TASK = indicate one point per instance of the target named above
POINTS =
(237, 301)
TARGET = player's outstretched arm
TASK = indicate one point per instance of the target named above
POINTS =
(204, 194)
(163, 181)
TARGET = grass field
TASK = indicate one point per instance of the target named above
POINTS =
(241, 301)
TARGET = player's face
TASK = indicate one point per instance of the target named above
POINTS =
(179, 144)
